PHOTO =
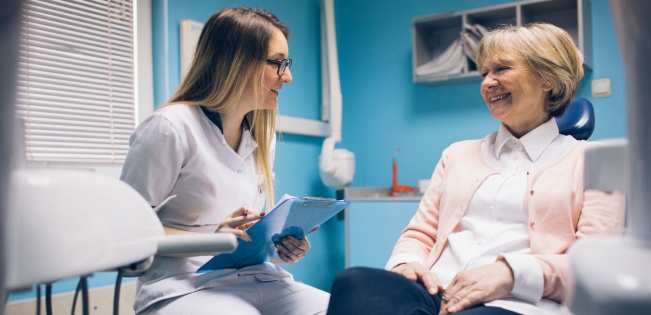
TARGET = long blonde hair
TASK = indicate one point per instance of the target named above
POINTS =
(231, 52)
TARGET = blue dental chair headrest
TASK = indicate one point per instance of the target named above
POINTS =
(578, 120)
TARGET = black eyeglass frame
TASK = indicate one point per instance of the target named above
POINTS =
(282, 64)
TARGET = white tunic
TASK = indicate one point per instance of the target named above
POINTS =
(179, 151)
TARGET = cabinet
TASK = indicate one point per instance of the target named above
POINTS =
(374, 222)
(373, 227)
(433, 34)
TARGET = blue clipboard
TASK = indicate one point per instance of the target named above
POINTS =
(292, 217)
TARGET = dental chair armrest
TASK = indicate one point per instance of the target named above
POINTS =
(184, 246)
(196, 245)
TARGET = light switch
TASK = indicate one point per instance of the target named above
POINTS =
(601, 88)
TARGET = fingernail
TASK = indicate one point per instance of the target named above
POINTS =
(433, 291)
(277, 246)
(262, 214)
(452, 309)
(284, 241)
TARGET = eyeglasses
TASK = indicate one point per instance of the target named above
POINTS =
(282, 64)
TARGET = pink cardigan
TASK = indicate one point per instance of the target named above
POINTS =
(559, 210)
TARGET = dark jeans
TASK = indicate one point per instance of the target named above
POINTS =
(366, 291)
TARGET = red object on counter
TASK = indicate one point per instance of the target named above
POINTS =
(398, 189)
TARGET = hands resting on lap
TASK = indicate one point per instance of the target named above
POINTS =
(468, 288)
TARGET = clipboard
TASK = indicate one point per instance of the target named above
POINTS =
(291, 217)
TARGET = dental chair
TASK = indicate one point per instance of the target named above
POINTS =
(578, 120)
(69, 222)
(603, 283)
(64, 223)
(611, 274)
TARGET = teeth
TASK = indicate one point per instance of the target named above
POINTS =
(274, 90)
(499, 97)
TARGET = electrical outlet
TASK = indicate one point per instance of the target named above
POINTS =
(601, 88)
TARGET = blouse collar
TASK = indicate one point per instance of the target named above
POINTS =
(534, 142)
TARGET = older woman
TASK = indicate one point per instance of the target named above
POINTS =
(491, 232)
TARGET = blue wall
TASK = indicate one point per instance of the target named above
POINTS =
(384, 110)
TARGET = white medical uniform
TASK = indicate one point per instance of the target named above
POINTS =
(181, 150)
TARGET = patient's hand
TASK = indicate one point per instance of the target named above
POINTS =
(475, 286)
(418, 273)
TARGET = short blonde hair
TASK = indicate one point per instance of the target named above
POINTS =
(547, 50)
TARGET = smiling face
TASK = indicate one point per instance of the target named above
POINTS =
(271, 81)
(514, 94)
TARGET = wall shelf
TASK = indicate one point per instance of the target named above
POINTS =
(433, 34)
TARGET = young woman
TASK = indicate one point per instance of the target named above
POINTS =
(212, 145)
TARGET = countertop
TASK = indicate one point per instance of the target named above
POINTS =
(373, 194)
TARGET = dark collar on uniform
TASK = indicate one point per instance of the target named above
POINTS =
(216, 119)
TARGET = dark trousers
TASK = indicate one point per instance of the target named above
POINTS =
(362, 291)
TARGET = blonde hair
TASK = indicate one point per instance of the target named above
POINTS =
(546, 50)
(231, 52)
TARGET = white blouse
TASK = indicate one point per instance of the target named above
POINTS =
(179, 150)
(495, 223)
